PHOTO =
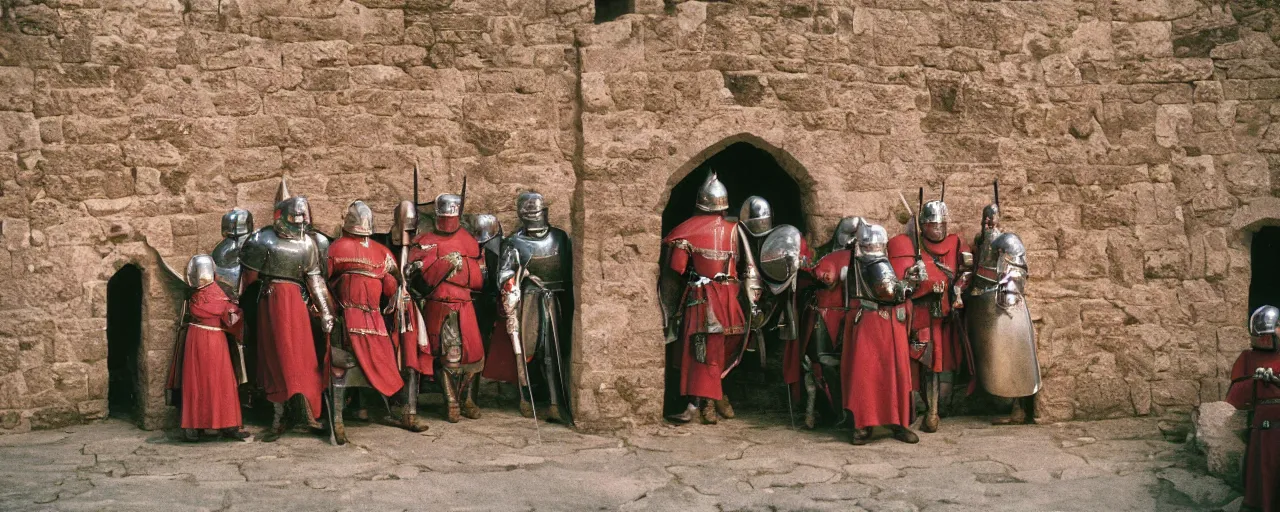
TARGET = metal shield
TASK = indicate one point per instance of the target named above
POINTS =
(780, 257)
(1004, 346)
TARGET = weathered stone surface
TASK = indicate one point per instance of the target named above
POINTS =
(1219, 434)
(1136, 140)
(495, 464)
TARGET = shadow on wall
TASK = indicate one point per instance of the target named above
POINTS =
(124, 337)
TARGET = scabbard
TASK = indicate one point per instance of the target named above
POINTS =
(241, 375)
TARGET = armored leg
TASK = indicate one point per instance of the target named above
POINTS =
(526, 407)
(469, 384)
(277, 424)
(449, 385)
(553, 385)
(308, 414)
(408, 419)
(724, 408)
(339, 427)
(931, 419)
(811, 400)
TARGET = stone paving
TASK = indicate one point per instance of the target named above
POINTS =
(751, 463)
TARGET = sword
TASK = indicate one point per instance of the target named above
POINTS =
(514, 299)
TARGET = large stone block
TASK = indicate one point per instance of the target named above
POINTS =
(1219, 435)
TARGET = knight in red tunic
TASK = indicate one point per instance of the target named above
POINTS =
(445, 269)
(936, 304)
(363, 274)
(875, 366)
(700, 292)
(814, 359)
(288, 262)
(203, 366)
(1255, 387)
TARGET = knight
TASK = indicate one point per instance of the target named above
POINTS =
(488, 233)
(1255, 387)
(237, 224)
(875, 366)
(287, 262)
(363, 274)
(409, 330)
(814, 360)
(699, 290)
(1001, 335)
(203, 374)
(936, 305)
(781, 252)
(535, 283)
(444, 272)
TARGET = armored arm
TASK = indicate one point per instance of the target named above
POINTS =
(751, 282)
(884, 284)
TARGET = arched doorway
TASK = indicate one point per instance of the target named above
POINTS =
(124, 338)
(1264, 287)
(745, 170)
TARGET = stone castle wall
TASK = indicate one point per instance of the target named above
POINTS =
(1133, 139)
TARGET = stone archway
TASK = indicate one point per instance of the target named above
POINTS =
(1264, 283)
(747, 166)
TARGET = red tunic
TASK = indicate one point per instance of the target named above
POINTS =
(827, 306)
(500, 364)
(708, 244)
(287, 361)
(359, 275)
(209, 388)
(875, 364)
(415, 357)
(948, 351)
(1262, 458)
(450, 293)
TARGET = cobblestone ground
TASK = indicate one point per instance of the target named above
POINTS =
(750, 463)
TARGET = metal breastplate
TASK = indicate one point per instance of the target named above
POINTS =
(879, 284)
(279, 257)
(548, 258)
(988, 257)
(226, 260)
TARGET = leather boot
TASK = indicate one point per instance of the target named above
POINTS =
(453, 413)
(191, 435)
(811, 401)
(904, 434)
(861, 436)
(1017, 416)
(277, 424)
(931, 419)
(526, 408)
(469, 407)
(724, 408)
(312, 422)
(235, 433)
(690, 412)
(708, 412)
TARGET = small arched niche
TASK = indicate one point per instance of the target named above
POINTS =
(125, 293)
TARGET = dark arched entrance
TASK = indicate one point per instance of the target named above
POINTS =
(124, 337)
(745, 170)
(1264, 288)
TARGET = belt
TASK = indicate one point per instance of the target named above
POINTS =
(449, 301)
(1269, 401)
(360, 307)
(206, 327)
(367, 332)
(361, 273)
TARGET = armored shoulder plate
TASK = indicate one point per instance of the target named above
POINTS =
(549, 258)
(226, 257)
(279, 257)
(987, 256)
(881, 281)
(1010, 249)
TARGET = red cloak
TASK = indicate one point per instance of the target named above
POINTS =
(210, 399)
(500, 364)
(708, 243)
(1262, 457)
(948, 351)
(875, 364)
(360, 279)
(827, 306)
(450, 293)
(287, 361)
